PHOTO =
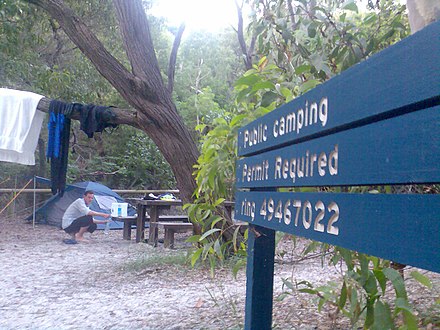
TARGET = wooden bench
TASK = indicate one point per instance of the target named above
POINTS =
(171, 228)
(130, 221)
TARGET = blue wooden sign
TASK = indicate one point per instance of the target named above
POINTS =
(399, 227)
(385, 152)
(402, 78)
(376, 123)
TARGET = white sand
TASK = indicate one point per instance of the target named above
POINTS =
(46, 284)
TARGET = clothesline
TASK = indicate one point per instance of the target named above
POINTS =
(21, 127)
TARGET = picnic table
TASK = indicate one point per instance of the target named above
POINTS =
(155, 207)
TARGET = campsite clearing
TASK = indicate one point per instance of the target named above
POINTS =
(111, 283)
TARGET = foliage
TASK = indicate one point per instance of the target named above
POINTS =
(363, 294)
(200, 108)
(300, 47)
(207, 60)
(215, 169)
(314, 40)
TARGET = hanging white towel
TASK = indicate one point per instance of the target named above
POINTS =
(20, 126)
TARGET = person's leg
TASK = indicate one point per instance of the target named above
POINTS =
(80, 235)
(79, 226)
(92, 227)
(84, 222)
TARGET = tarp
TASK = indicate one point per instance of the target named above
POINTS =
(53, 209)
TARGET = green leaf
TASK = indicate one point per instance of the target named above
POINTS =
(369, 319)
(371, 285)
(263, 85)
(193, 239)
(238, 119)
(365, 272)
(207, 249)
(215, 219)
(311, 30)
(308, 85)
(381, 279)
(403, 304)
(302, 68)
(410, 320)
(347, 256)
(234, 238)
(382, 317)
(303, 51)
(351, 6)
(238, 265)
(196, 256)
(217, 249)
(422, 279)
(288, 283)
(268, 98)
(209, 232)
(247, 80)
(397, 281)
(311, 291)
(342, 296)
(321, 303)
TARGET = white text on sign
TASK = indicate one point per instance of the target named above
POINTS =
(312, 113)
(294, 212)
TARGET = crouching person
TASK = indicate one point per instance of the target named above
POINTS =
(78, 218)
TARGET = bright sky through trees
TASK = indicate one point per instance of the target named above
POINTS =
(210, 15)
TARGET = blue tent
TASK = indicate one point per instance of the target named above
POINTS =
(53, 209)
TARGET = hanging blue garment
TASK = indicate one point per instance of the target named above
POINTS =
(55, 128)
(51, 126)
(58, 144)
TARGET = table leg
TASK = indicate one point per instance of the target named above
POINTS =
(140, 223)
(154, 215)
(127, 230)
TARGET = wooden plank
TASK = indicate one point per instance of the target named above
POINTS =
(402, 78)
(259, 278)
(401, 227)
(404, 149)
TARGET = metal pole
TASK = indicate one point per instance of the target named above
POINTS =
(33, 213)
(14, 196)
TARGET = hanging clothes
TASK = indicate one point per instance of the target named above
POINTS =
(58, 144)
(94, 118)
(20, 126)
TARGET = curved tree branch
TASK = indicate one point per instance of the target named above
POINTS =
(173, 57)
(247, 53)
(88, 43)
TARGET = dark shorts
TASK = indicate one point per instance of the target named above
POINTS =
(85, 221)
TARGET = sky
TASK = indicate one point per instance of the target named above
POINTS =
(210, 15)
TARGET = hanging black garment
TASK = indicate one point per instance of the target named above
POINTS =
(95, 118)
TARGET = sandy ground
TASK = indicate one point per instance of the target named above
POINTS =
(46, 284)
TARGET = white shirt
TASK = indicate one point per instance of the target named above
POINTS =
(75, 210)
